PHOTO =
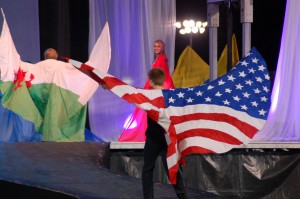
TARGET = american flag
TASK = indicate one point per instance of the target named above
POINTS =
(211, 118)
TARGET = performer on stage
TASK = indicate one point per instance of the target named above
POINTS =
(161, 61)
(156, 145)
(138, 133)
(50, 53)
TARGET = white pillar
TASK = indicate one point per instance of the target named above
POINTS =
(246, 18)
(213, 24)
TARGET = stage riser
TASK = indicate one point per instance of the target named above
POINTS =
(240, 173)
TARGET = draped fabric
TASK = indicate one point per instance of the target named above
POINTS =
(283, 119)
(191, 69)
(134, 26)
(162, 62)
(13, 127)
(64, 25)
(16, 129)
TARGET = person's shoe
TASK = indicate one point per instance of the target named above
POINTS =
(182, 196)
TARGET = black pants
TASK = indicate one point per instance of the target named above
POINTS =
(156, 145)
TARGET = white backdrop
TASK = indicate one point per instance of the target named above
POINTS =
(283, 119)
(134, 26)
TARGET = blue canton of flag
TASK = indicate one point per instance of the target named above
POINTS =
(245, 88)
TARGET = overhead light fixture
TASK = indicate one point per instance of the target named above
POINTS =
(190, 26)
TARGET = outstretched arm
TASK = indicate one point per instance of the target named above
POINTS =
(86, 69)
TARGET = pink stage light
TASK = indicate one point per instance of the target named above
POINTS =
(129, 124)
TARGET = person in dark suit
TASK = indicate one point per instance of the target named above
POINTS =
(156, 145)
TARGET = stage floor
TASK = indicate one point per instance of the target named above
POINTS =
(70, 170)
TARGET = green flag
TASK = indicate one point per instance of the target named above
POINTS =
(51, 94)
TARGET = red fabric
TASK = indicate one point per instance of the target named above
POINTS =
(66, 59)
(162, 62)
(137, 134)
(86, 67)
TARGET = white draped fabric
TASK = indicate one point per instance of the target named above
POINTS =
(283, 119)
(134, 26)
(20, 15)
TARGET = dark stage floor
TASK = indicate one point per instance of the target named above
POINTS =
(70, 170)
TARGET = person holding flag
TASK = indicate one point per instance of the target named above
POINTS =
(156, 145)
(50, 94)
(50, 53)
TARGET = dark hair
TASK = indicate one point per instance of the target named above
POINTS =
(157, 76)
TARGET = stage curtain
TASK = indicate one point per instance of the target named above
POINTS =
(64, 25)
(134, 26)
(24, 16)
(23, 20)
(283, 119)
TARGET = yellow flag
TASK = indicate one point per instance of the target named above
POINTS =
(191, 69)
(222, 63)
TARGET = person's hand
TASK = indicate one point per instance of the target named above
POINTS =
(66, 59)
(86, 67)
(104, 86)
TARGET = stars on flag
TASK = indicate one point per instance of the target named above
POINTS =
(246, 88)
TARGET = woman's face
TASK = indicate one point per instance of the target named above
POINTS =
(157, 48)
